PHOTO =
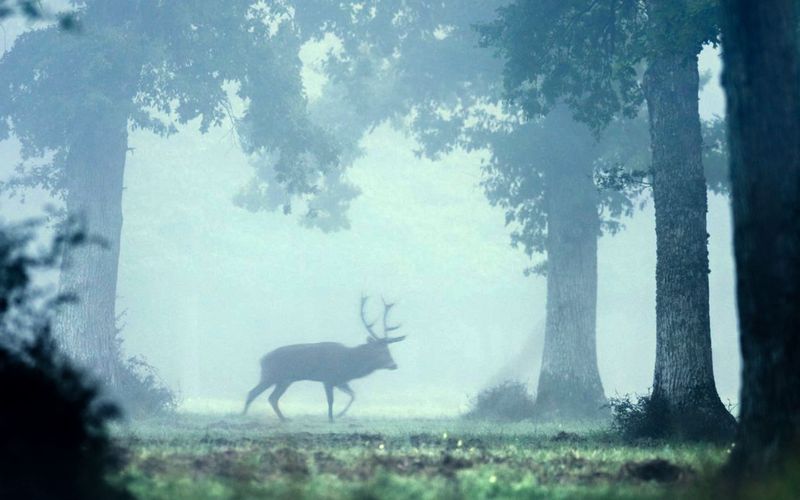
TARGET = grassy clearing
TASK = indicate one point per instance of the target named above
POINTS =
(194, 456)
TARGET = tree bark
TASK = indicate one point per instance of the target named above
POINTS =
(762, 82)
(569, 380)
(683, 383)
(94, 182)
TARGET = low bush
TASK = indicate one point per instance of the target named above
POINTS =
(638, 417)
(509, 401)
(648, 417)
(140, 390)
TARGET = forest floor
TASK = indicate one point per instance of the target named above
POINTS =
(214, 456)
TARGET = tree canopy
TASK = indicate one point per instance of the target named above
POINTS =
(161, 66)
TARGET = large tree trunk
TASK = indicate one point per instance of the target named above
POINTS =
(684, 377)
(569, 381)
(762, 81)
(94, 176)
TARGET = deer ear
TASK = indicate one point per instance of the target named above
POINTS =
(395, 339)
(370, 340)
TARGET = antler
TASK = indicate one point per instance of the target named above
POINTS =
(368, 326)
(386, 328)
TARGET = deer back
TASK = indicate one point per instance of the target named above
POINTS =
(329, 362)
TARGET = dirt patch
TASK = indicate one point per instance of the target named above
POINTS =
(228, 425)
(448, 443)
(450, 465)
(566, 437)
(444, 465)
(307, 440)
(658, 470)
(326, 463)
(286, 461)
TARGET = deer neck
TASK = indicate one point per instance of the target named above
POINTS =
(363, 360)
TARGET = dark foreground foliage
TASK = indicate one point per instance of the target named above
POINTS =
(508, 401)
(646, 417)
(55, 443)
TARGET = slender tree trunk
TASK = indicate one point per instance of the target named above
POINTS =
(94, 176)
(684, 375)
(569, 381)
(762, 82)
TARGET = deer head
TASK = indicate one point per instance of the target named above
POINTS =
(380, 343)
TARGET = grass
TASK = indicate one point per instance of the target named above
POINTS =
(206, 456)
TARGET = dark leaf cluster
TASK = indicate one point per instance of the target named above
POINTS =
(591, 54)
(583, 53)
(651, 417)
(24, 306)
(56, 443)
(33, 10)
(142, 392)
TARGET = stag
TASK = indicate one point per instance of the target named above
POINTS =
(331, 363)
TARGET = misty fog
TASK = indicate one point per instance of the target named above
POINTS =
(206, 288)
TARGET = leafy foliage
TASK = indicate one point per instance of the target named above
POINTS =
(160, 65)
(583, 53)
(508, 401)
(590, 54)
(56, 444)
(648, 417)
(419, 66)
(26, 310)
(639, 417)
(34, 11)
(25, 307)
(715, 156)
(142, 392)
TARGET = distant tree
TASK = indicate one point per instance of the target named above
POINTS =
(590, 55)
(554, 194)
(684, 376)
(138, 65)
(419, 66)
(762, 82)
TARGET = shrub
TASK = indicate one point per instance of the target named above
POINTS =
(650, 417)
(509, 401)
(638, 417)
(140, 390)
(55, 442)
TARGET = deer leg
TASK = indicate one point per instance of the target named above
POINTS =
(329, 396)
(254, 393)
(345, 388)
(280, 388)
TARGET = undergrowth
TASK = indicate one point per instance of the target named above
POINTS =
(507, 401)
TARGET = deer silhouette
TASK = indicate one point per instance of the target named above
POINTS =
(331, 363)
